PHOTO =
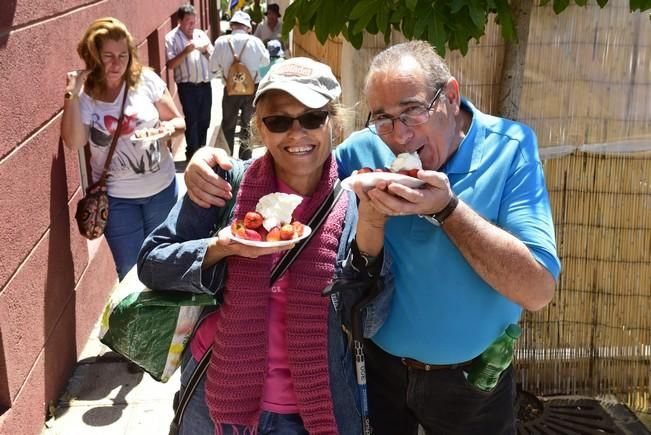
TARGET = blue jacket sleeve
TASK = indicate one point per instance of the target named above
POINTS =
(172, 255)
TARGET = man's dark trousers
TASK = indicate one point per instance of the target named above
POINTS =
(232, 106)
(441, 400)
(196, 100)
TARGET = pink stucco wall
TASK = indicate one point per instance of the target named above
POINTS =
(53, 282)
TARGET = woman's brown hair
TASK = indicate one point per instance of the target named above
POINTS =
(89, 50)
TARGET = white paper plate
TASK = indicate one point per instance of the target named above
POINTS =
(149, 138)
(258, 244)
(368, 180)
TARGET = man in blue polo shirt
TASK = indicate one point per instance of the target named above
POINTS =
(467, 252)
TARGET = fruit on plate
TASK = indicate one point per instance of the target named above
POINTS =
(405, 163)
(253, 220)
(299, 228)
(238, 229)
(271, 221)
(252, 235)
(273, 235)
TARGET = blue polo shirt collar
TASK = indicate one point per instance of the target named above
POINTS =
(468, 156)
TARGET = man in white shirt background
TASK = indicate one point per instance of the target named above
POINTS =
(272, 26)
(188, 52)
(253, 57)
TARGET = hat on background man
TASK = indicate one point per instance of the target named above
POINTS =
(275, 48)
(273, 7)
(241, 17)
(310, 82)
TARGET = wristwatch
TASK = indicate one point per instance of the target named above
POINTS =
(363, 262)
(69, 95)
(439, 217)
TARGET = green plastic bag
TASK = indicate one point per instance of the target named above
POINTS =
(151, 328)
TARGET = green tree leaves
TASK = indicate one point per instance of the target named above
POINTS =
(446, 24)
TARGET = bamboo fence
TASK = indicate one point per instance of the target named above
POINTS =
(587, 94)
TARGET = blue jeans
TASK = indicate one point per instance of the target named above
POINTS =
(196, 100)
(131, 220)
(440, 400)
(197, 421)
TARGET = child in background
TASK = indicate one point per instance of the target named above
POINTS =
(276, 54)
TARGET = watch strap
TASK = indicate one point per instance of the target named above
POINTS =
(439, 217)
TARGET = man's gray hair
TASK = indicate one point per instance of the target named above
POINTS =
(435, 69)
(184, 10)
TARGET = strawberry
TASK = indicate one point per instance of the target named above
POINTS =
(238, 229)
(252, 235)
(413, 173)
(298, 228)
(253, 220)
(286, 232)
(273, 235)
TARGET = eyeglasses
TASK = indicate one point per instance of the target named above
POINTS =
(411, 117)
(308, 120)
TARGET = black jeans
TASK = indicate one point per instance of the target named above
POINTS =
(196, 100)
(231, 107)
(442, 401)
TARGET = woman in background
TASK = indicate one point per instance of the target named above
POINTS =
(141, 183)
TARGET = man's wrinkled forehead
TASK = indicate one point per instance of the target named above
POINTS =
(389, 92)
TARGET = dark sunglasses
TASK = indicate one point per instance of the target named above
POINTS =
(308, 120)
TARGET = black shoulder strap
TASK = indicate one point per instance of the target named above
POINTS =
(314, 223)
(193, 382)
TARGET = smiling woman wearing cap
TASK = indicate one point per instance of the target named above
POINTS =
(279, 361)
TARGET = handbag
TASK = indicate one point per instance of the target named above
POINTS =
(93, 209)
(281, 267)
(152, 328)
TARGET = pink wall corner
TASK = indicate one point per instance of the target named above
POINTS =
(49, 274)
(27, 414)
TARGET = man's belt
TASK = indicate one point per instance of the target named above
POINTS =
(417, 365)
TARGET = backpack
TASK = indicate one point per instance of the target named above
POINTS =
(239, 80)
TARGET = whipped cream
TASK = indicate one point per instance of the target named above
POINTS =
(277, 209)
(406, 161)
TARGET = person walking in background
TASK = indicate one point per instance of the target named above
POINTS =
(188, 52)
(280, 361)
(276, 54)
(272, 26)
(253, 54)
(467, 251)
(141, 183)
(255, 12)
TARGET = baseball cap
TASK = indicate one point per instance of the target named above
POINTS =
(310, 82)
(275, 48)
(241, 17)
(273, 7)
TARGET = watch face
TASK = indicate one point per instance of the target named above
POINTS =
(430, 219)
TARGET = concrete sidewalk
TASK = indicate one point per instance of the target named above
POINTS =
(104, 397)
